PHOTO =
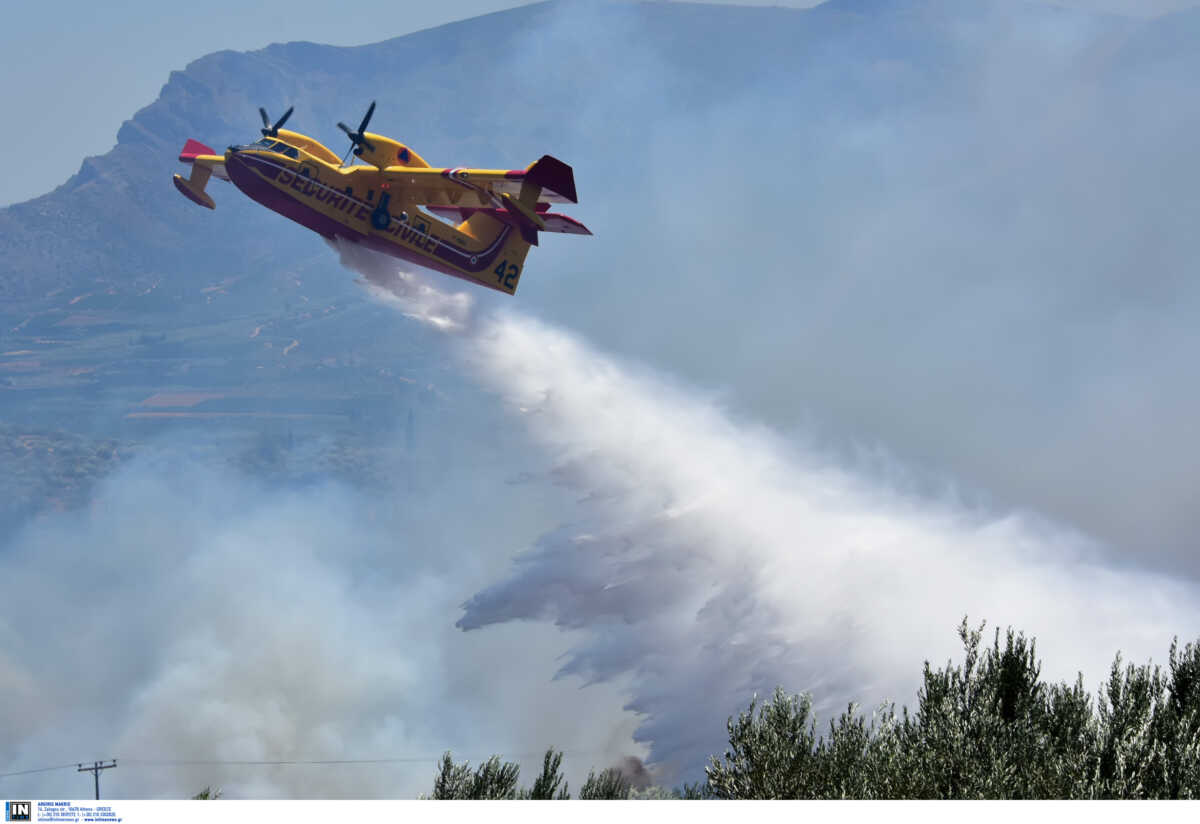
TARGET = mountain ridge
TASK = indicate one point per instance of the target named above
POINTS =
(215, 97)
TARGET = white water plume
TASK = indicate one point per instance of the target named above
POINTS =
(410, 292)
(710, 558)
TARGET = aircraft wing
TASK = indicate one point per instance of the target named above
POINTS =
(205, 163)
(484, 187)
(195, 152)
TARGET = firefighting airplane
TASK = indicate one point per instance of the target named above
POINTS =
(482, 224)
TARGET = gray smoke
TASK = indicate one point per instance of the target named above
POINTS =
(195, 615)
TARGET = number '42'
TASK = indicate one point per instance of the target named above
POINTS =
(506, 274)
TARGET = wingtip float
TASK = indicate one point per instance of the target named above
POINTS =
(474, 224)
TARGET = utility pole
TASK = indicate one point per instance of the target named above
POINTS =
(95, 771)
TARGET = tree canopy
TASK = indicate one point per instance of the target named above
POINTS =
(989, 727)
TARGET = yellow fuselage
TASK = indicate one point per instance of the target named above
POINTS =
(303, 180)
(485, 221)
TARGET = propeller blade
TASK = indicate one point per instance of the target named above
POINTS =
(367, 119)
(266, 120)
(282, 120)
(357, 142)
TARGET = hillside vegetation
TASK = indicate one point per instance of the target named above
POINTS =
(986, 728)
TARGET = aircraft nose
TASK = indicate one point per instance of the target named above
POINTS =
(235, 161)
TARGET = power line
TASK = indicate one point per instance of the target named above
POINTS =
(202, 762)
(38, 770)
(411, 759)
(186, 762)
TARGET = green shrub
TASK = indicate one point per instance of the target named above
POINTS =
(989, 727)
(546, 786)
(491, 780)
(608, 785)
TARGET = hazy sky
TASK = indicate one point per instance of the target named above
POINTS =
(65, 90)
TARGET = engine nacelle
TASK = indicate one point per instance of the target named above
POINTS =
(385, 152)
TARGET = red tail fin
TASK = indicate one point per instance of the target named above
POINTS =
(551, 173)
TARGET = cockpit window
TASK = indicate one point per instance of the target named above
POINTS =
(275, 146)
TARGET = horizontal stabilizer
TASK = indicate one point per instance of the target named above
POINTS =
(565, 225)
(528, 221)
(553, 222)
